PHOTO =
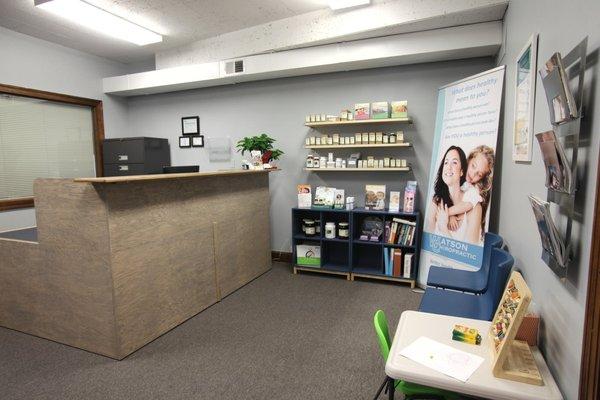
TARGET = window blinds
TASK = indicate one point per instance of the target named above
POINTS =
(42, 139)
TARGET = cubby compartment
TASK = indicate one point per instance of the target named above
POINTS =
(335, 256)
(304, 250)
(297, 222)
(336, 217)
(359, 220)
(367, 259)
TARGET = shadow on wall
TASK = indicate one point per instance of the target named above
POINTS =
(585, 142)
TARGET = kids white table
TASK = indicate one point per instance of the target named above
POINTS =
(482, 383)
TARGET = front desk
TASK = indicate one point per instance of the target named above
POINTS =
(119, 261)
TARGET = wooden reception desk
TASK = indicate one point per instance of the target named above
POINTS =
(119, 261)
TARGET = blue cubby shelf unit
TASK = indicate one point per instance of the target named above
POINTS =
(352, 257)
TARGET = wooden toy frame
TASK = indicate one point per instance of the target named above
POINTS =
(512, 359)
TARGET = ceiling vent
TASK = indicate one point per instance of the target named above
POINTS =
(234, 67)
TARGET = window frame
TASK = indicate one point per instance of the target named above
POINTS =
(97, 126)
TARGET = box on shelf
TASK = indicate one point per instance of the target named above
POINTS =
(380, 110)
(365, 138)
(400, 109)
(308, 255)
(378, 137)
(362, 111)
(358, 138)
(372, 137)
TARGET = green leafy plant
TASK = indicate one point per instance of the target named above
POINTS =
(263, 143)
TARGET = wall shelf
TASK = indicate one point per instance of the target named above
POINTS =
(401, 169)
(360, 121)
(357, 146)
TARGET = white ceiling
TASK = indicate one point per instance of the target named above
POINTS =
(180, 21)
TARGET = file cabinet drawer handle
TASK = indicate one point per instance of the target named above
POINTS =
(123, 167)
(123, 157)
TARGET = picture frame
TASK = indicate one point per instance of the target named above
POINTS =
(190, 125)
(185, 142)
(198, 141)
(525, 82)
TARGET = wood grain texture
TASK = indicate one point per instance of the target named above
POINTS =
(243, 234)
(159, 177)
(119, 265)
(589, 381)
(59, 287)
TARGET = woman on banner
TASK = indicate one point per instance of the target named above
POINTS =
(449, 195)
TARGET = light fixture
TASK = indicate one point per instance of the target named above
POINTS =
(99, 20)
(340, 4)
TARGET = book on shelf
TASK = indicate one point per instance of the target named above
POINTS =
(324, 197)
(380, 110)
(375, 197)
(558, 168)
(407, 272)
(561, 102)
(362, 111)
(387, 232)
(399, 109)
(549, 235)
(304, 196)
(402, 232)
(386, 261)
(397, 268)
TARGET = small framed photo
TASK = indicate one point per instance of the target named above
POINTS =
(190, 125)
(184, 141)
(198, 141)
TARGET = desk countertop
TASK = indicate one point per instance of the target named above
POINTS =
(482, 383)
(158, 177)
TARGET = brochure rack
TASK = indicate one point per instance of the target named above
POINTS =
(574, 63)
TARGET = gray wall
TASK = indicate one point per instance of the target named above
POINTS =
(278, 107)
(37, 64)
(561, 25)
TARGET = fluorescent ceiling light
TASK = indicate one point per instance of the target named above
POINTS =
(99, 20)
(339, 4)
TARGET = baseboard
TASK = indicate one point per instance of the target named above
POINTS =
(282, 256)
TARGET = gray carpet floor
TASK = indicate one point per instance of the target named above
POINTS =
(282, 336)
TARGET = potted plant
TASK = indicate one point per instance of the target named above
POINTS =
(261, 143)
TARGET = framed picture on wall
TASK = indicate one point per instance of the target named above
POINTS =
(198, 141)
(524, 101)
(190, 125)
(184, 141)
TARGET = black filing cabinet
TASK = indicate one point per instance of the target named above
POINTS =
(135, 156)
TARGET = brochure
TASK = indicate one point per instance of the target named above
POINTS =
(304, 196)
(339, 201)
(375, 197)
(549, 235)
(394, 201)
(558, 169)
(558, 94)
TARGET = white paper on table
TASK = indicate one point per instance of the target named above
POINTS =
(449, 361)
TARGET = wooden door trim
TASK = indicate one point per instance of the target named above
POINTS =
(97, 126)
(589, 379)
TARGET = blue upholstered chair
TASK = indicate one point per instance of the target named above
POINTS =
(483, 307)
(467, 281)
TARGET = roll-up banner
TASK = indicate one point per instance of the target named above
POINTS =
(462, 169)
